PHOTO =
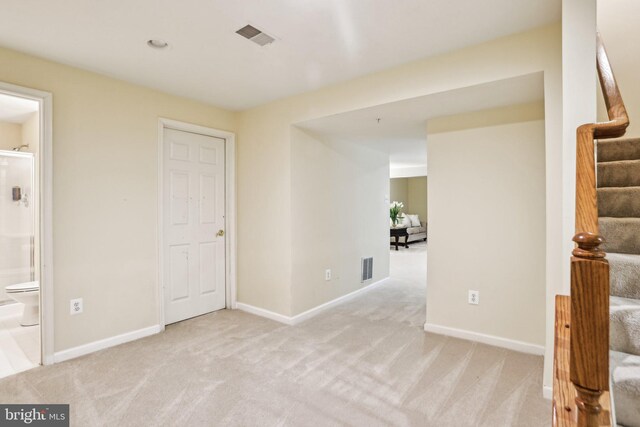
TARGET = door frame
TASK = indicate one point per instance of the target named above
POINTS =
(230, 207)
(45, 212)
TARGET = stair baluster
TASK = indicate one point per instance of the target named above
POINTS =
(589, 369)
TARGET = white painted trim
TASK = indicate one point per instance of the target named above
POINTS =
(522, 347)
(407, 172)
(327, 305)
(160, 242)
(264, 313)
(230, 207)
(45, 154)
(547, 392)
(299, 318)
(92, 347)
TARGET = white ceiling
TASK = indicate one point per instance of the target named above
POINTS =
(402, 131)
(16, 110)
(318, 42)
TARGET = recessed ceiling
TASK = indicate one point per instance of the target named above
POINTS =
(14, 109)
(317, 42)
(401, 131)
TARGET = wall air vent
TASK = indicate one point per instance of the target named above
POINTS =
(255, 35)
(366, 269)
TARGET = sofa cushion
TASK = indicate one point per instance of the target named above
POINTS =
(416, 230)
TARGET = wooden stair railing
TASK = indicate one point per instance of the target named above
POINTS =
(587, 321)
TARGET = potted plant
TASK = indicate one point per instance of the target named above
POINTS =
(395, 212)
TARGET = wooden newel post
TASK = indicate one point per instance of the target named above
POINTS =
(589, 370)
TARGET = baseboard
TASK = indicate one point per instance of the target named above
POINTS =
(298, 318)
(520, 346)
(92, 347)
(264, 313)
(547, 392)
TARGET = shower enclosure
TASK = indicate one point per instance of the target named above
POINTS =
(17, 220)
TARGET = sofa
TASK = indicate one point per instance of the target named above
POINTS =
(415, 232)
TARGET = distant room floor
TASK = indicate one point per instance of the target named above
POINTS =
(410, 264)
(367, 362)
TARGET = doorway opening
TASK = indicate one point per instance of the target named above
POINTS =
(25, 190)
(408, 233)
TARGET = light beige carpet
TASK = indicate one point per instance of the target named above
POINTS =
(367, 362)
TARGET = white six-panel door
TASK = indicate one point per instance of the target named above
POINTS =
(193, 225)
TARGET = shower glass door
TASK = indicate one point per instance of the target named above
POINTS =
(17, 254)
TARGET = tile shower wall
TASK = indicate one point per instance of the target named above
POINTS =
(16, 221)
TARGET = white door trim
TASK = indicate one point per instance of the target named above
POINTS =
(230, 202)
(45, 153)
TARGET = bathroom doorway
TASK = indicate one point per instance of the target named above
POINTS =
(24, 128)
(19, 287)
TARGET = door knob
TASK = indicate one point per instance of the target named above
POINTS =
(220, 233)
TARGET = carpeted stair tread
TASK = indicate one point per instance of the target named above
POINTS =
(621, 235)
(618, 149)
(624, 173)
(619, 202)
(625, 379)
(618, 173)
(624, 325)
(624, 275)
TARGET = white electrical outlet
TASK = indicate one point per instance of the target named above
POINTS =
(474, 297)
(327, 275)
(76, 306)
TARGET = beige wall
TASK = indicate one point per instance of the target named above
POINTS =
(31, 133)
(417, 193)
(266, 144)
(486, 192)
(489, 117)
(412, 192)
(16, 134)
(10, 135)
(264, 210)
(105, 135)
(398, 190)
(339, 215)
(618, 25)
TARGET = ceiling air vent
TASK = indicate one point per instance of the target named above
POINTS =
(255, 35)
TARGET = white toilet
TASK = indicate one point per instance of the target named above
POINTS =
(29, 295)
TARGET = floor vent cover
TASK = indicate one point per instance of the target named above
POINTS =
(367, 269)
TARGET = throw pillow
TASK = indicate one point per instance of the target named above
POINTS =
(404, 221)
(415, 220)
